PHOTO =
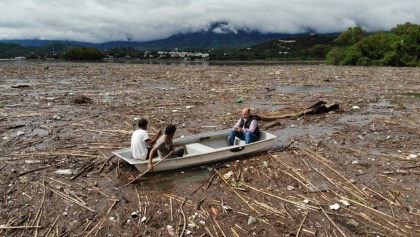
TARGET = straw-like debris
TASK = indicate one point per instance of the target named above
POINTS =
(347, 172)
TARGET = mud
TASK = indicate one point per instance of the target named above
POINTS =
(365, 157)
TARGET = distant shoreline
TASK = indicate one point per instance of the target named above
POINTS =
(175, 62)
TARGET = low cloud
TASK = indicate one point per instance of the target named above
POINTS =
(144, 20)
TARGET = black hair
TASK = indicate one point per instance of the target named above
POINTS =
(170, 129)
(142, 123)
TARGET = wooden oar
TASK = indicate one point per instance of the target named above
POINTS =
(147, 171)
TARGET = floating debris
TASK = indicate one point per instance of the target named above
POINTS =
(252, 220)
(344, 202)
(81, 99)
(228, 175)
(65, 171)
(134, 215)
(335, 206)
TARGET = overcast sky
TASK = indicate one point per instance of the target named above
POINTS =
(143, 20)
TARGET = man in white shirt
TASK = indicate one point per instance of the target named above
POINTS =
(140, 141)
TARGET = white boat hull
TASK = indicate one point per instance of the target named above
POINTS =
(203, 149)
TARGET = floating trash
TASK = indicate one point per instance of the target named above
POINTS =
(290, 188)
(214, 211)
(64, 171)
(32, 161)
(227, 208)
(265, 164)
(134, 215)
(228, 175)
(251, 220)
(344, 202)
(170, 230)
(412, 156)
(335, 206)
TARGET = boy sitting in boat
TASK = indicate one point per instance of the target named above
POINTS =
(141, 143)
(164, 146)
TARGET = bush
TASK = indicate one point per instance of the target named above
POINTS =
(400, 47)
(334, 56)
(82, 53)
(364, 61)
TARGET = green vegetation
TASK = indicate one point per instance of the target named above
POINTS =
(416, 95)
(397, 102)
(53, 50)
(400, 47)
(304, 47)
(14, 50)
(125, 52)
(82, 53)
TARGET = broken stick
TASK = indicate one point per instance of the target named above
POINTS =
(147, 171)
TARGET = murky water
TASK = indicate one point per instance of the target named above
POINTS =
(285, 135)
(361, 119)
(38, 132)
(266, 106)
(383, 105)
(304, 89)
(170, 180)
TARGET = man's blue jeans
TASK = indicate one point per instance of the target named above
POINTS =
(248, 137)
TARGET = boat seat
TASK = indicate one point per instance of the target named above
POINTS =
(198, 148)
(239, 142)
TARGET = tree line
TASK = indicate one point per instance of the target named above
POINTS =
(400, 47)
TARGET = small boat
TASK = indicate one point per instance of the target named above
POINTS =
(202, 149)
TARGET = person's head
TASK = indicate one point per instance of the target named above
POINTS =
(142, 123)
(246, 113)
(170, 130)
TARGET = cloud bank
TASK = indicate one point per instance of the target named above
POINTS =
(143, 20)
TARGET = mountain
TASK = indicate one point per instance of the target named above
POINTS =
(10, 50)
(202, 40)
(218, 38)
(209, 40)
(14, 50)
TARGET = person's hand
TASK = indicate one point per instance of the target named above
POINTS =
(159, 133)
(238, 129)
(150, 167)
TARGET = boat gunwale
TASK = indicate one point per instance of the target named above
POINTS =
(191, 156)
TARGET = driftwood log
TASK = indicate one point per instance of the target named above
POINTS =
(317, 108)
